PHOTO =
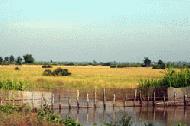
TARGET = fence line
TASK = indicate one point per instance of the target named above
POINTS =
(77, 99)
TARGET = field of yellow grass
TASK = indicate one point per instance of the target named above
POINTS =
(82, 76)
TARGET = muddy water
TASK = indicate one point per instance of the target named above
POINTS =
(140, 116)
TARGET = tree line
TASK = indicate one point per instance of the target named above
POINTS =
(27, 59)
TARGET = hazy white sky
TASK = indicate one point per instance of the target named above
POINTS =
(104, 30)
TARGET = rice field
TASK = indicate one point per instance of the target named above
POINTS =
(82, 76)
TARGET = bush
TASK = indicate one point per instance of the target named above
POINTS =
(47, 72)
(61, 72)
(17, 68)
(57, 72)
(47, 66)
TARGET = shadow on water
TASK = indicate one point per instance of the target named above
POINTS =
(158, 116)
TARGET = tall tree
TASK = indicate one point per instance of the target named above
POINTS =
(11, 59)
(19, 61)
(1, 60)
(6, 60)
(147, 62)
(28, 58)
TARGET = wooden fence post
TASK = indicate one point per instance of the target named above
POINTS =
(148, 100)
(114, 100)
(135, 95)
(126, 98)
(78, 94)
(32, 99)
(13, 99)
(59, 102)
(52, 100)
(175, 94)
(164, 100)
(95, 98)
(87, 100)
(140, 98)
(154, 98)
(104, 98)
(185, 100)
(69, 103)
(1, 101)
(42, 100)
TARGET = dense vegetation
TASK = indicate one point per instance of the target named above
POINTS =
(57, 72)
(12, 85)
(172, 78)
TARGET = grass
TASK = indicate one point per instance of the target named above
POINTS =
(82, 76)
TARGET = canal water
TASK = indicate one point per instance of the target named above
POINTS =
(170, 116)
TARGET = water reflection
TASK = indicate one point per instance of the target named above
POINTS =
(159, 116)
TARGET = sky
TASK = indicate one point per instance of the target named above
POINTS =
(101, 30)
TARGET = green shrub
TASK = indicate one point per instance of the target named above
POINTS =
(12, 85)
(57, 72)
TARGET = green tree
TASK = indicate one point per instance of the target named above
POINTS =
(161, 64)
(11, 59)
(19, 60)
(147, 62)
(28, 58)
(1, 60)
(6, 60)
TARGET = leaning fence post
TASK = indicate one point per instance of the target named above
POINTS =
(114, 100)
(87, 100)
(78, 93)
(104, 99)
(95, 98)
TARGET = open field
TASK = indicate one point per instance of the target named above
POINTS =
(82, 76)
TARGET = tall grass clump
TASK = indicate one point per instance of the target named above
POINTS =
(172, 78)
(12, 85)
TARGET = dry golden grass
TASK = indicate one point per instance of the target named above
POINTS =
(82, 76)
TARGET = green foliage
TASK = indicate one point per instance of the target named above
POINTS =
(11, 59)
(159, 65)
(8, 108)
(1, 60)
(171, 79)
(68, 121)
(57, 72)
(147, 62)
(19, 61)
(12, 85)
(48, 115)
(28, 58)
(125, 120)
